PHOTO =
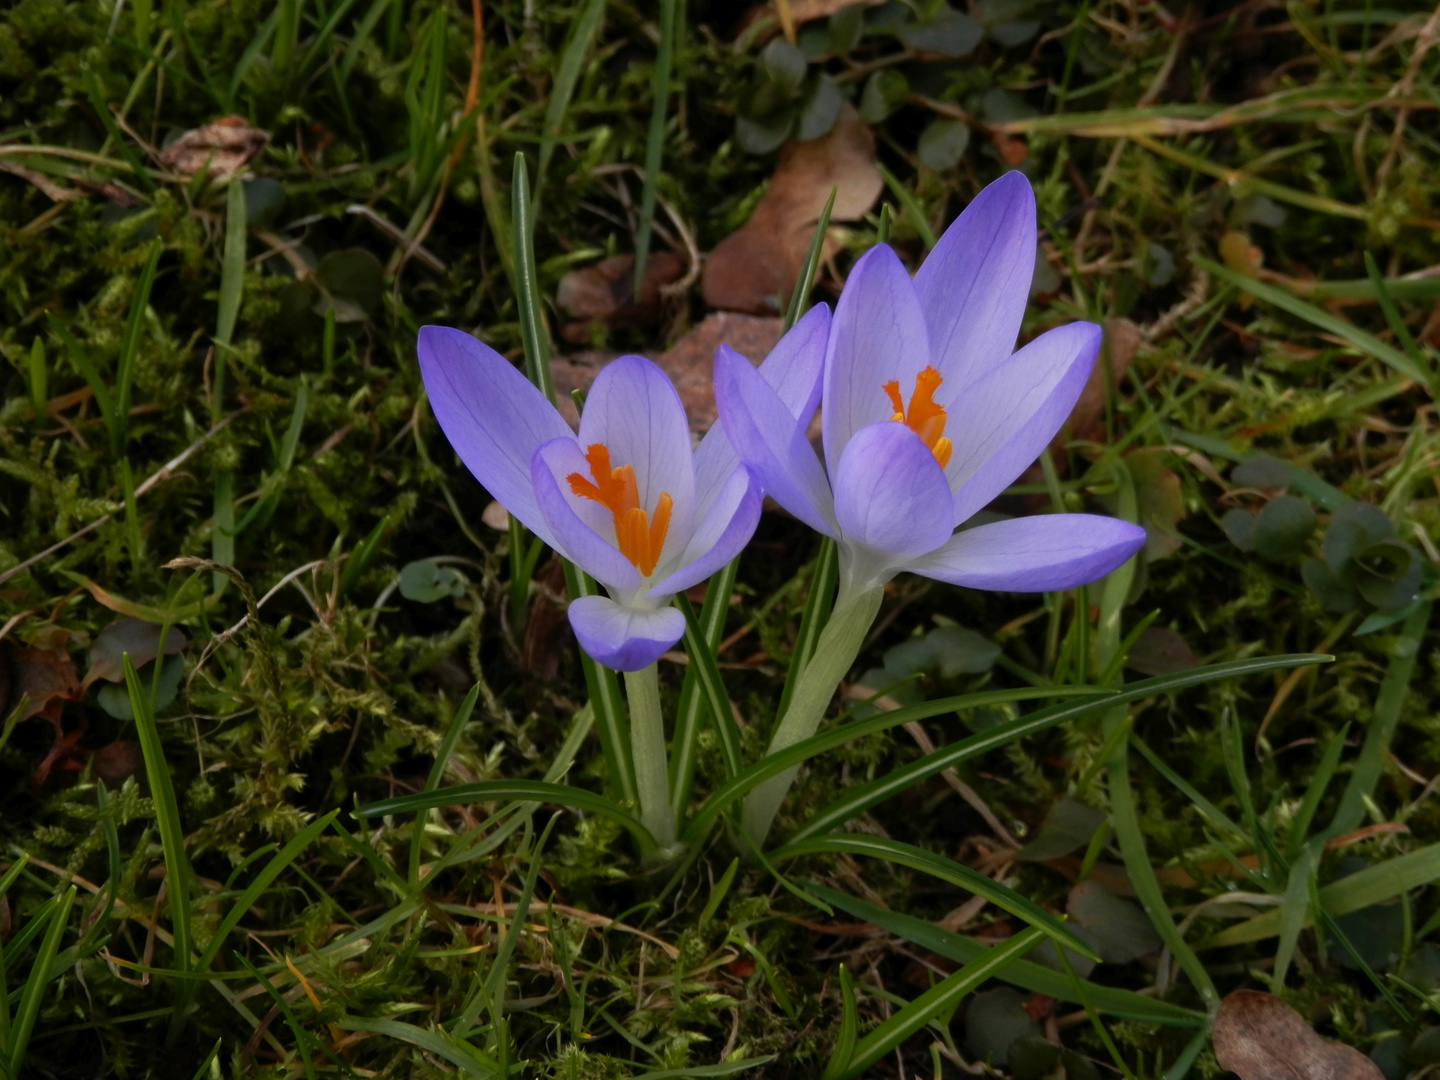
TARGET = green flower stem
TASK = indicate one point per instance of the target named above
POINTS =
(835, 652)
(647, 750)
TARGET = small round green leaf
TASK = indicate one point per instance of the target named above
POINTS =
(1351, 528)
(783, 64)
(1387, 574)
(948, 33)
(1336, 594)
(1239, 526)
(942, 144)
(1263, 472)
(1283, 527)
(426, 581)
(885, 91)
(762, 134)
(820, 108)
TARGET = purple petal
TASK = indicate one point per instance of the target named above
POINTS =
(719, 535)
(1034, 554)
(878, 335)
(492, 415)
(588, 540)
(633, 409)
(624, 638)
(974, 285)
(793, 370)
(1005, 419)
(768, 438)
(890, 495)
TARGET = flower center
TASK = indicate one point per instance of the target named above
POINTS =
(638, 538)
(923, 417)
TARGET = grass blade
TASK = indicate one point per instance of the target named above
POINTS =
(709, 632)
(1321, 319)
(438, 1042)
(496, 790)
(702, 660)
(130, 345)
(28, 1010)
(232, 287)
(1025, 974)
(1375, 751)
(937, 866)
(172, 837)
(865, 796)
(437, 771)
(262, 881)
(941, 998)
(577, 47)
(844, 1051)
(655, 140)
(811, 266)
(527, 289)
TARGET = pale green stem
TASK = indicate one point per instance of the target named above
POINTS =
(835, 652)
(647, 751)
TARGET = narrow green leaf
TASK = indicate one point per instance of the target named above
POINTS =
(130, 343)
(1375, 751)
(1320, 318)
(572, 61)
(1292, 916)
(844, 1051)
(655, 140)
(943, 997)
(28, 1009)
(1317, 784)
(39, 394)
(911, 205)
(702, 660)
(262, 881)
(725, 1068)
(862, 797)
(527, 288)
(232, 286)
(937, 866)
(1392, 315)
(437, 1042)
(437, 771)
(497, 790)
(172, 836)
(685, 741)
(210, 1059)
(799, 300)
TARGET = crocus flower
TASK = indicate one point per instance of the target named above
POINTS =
(627, 500)
(928, 415)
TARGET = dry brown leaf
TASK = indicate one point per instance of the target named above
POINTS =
(222, 148)
(116, 762)
(756, 268)
(45, 679)
(603, 294)
(1259, 1037)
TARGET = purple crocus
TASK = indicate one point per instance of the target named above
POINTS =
(928, 415)
(627, 500)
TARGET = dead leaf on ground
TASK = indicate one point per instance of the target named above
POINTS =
(45, 679)
(140, 639)
(689, 363)
(756, 268)
(1158, 651)
(604, 294)
(1087, 418)
(116, 762)
(222, 148)
(1259, 1037)
(1161, 502)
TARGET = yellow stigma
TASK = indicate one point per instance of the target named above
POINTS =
(924, 417)
(638, 538)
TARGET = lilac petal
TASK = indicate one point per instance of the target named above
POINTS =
(492, 415)
(590, 544)
(1007, 417)
(878, 335)
(624, 638)
(1034, 554)
(768, 438)
(890, 495)
(974, 285)
(719, 535)
(793, 370)
(633, 409)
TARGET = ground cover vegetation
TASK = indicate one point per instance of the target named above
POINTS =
(301, 771)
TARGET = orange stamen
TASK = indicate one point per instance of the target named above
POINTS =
(638, 538)
(924, 417)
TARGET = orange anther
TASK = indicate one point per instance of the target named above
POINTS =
(923, 417)
(638, 538)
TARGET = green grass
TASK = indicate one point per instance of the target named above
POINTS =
(211, 419)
